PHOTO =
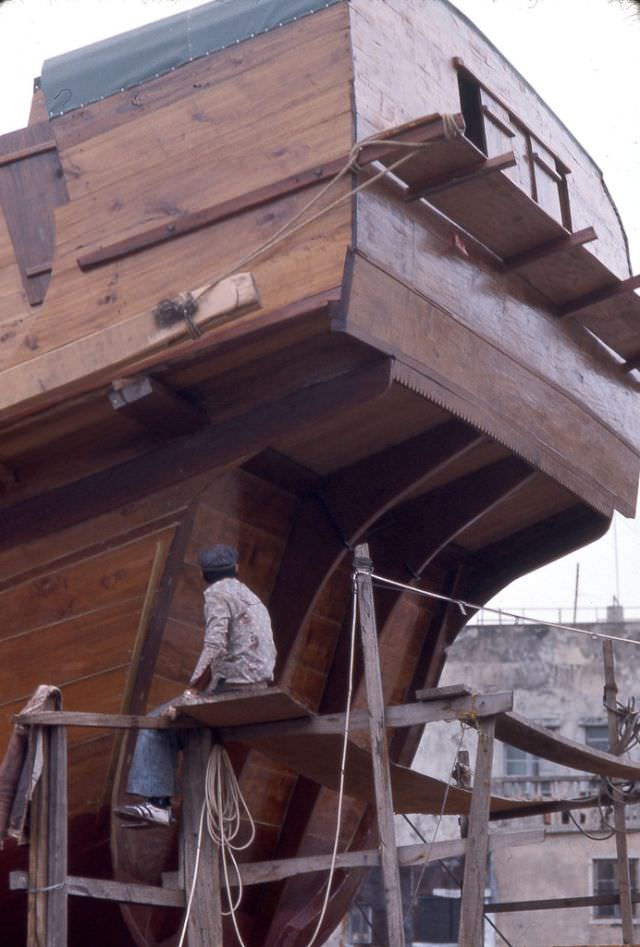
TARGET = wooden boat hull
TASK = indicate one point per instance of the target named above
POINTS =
(409, 380)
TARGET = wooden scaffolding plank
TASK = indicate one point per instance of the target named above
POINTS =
(254, 704)
(518, 732)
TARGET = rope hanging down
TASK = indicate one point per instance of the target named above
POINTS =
(466, 607)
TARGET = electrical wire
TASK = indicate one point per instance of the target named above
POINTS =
(471, 606)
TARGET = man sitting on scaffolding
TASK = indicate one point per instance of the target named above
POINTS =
(238, 650)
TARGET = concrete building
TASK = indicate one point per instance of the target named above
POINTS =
(557, 680)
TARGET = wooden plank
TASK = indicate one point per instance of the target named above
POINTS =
(515, 730)
(247, 705)
(32, 187)
(440, 693)
(205, 919)
(451, 179)
(552, 248)
(380, 750)
(276, 870)
(79, 718)
(623, 872)
(102, 889)
(550, 904)
(90, 360)
(20, 153)
(475, 863)
(605, 294)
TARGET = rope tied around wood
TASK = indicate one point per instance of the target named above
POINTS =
(170, 311)
(451, 129)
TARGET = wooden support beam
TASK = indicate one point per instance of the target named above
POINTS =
(38, 855)
(104, 890)
(47, 901)
(551, 248)
(205, 919)
(79, 718)
(550, 904)
(475, 864)
(443, 182)
(210, 449)
(95, 358)
(58, 838)
(619, 814)
(265, 872)
(28, 152)
(620, 288)
(268, 871)
(156, 407)
(379, 748)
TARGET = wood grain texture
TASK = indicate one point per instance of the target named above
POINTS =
(88, 362)
(32, 185)
(391, 90)
(429, 338)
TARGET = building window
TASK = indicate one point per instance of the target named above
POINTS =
(605, 881)
(596, 736)
(436, 920)
(519, 763)
(360, 925)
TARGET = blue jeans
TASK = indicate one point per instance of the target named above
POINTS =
(155, 760)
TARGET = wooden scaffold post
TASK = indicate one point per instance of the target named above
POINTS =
(619, 816)
(379, 749)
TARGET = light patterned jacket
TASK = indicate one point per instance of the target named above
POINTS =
(238, 640)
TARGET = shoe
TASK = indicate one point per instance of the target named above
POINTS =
(146, 812)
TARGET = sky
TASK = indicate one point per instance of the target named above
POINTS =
(582, 56)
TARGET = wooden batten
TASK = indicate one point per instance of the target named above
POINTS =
(156, 406)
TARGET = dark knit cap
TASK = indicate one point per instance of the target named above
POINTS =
(218, 558)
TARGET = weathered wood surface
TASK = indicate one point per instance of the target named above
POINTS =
(204, 926)
(32, 186)
(259, 872)
(490, 391)
(390, 91)
(475, 863)
(114, 196)
(86, 363)
(380, 750)
(623, 870)
(101, 889)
